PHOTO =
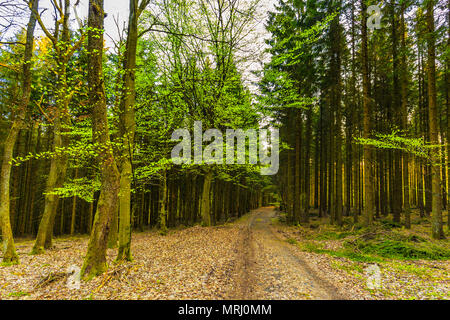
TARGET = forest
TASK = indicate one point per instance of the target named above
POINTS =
(338, 187)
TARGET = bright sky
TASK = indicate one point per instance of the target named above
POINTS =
(114, 9)
(118, 9)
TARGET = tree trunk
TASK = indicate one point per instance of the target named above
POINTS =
(437, 230)
(95, 260)
(404, 112)
(163, 203)
(74, 209)
(128, 128)
(336, 104)
(9, 254)
(448, 116)
(206, 201)
(368, 180)
(59, 162)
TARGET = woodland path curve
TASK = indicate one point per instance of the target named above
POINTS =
(270, 268)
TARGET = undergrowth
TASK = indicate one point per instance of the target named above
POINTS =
(385, 240)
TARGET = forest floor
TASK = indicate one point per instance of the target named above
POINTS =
(256, 257)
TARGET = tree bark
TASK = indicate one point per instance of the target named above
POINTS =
(368, 182)
(128, 128)
(95, 260)
(206, 201)
(448, 116)
(9, 254)
(404, 111)
(59, 162)
(436, 220)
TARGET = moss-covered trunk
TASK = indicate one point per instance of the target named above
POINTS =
(9, 251)
(124, 252)
(56, 176)
(59, 161)
(128, 128)
(95, 260)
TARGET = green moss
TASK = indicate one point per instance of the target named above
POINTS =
(37, 250)
(388, 224)
(332, 235)
(19, 294)
(415, 238)
(345, 253)
(351, 268)
(9, 264)
(291, 241)
(419, 271)
(402, 250)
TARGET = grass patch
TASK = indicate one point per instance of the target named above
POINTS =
(291, 241)
(8, 264)
(419, 271)
(388, 224)
(19, 294)
(332, 235)
(353, 269)
(402, 250)
(344, 253)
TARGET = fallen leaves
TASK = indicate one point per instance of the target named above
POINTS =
(195, 263)
(248, 259)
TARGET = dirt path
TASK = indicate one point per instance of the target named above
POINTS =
(248, 259)
(270, 268)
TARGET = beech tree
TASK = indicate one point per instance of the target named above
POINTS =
(95, 260)
(10, 255)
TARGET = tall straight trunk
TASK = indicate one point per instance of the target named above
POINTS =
(193, 202)
(336, 98)
(331, 164)
(368, 180)
(128, 128)
(91, 214)
(113, 236)
(448, 116)
(297, 168)
(205, 208)
(424, 129)
(31, 181)
(396, 115)
(27, 184)
(163, 203)
(404, 112)
(34, 183)
(304, 218)
(59, 162)
(58, 168)
(74, 209)
(9, 254)
(316, 169)
(437, 229)
(323, 165)
(95, 260)
(348, 167)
